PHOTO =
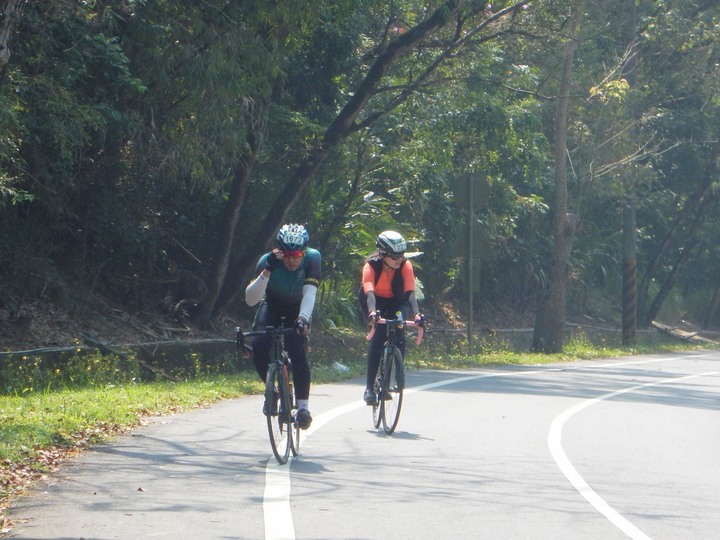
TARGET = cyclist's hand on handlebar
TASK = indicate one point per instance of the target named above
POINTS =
(302, 326)
(373, 316)
(420, 319)
(272, 261)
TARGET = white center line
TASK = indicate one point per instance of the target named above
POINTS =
(276, 501)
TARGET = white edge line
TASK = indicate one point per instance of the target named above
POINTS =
(578, 482)
(276, 499)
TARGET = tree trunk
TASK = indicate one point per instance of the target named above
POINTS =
(550, 318)
(714, 308)
(691, 241)
(340, 214)
(629, 248)
(239, 260)
(10, 13)
(667, 286)
(245, 256)
(226, 238)
(692, 210)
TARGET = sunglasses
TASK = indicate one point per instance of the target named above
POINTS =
(293, 253)
(394, 256)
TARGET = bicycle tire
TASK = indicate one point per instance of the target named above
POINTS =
(279, 419)
(294, 437)
(294, 426)
(392, 391)
(377, 390)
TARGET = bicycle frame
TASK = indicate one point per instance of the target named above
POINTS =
(390, 381)
(283, 429)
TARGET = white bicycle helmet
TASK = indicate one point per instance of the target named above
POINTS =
(292, 237)
(391, 242)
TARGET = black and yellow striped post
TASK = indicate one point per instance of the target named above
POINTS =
(629, 302)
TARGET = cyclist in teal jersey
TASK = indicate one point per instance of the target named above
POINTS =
(285, 286)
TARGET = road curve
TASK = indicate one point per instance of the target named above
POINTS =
(622, 448)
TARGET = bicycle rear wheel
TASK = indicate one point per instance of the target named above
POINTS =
(294, 437)
(294, 426)
(392, 390)
(279, 418)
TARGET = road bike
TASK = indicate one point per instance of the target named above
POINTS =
(280, 407)
(390, 379)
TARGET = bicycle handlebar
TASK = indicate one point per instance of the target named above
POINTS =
(269, 331)
(420, 327)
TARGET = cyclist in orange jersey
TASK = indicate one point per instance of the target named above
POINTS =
(388, 286)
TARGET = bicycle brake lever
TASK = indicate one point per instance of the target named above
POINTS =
(421, 331)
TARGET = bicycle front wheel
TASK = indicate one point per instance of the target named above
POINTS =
(279, 417)
(392, 390)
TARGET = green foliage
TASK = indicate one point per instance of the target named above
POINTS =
(339, 310)
(23, 374)
(124, 126)
(73, 417)
(11, 164)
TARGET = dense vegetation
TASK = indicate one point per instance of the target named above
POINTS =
(149, 150)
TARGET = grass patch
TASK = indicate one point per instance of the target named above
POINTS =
(577, 348)
(39, 430)
(70, 416)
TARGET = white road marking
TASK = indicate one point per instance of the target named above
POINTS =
(276, 499)
(578, 482)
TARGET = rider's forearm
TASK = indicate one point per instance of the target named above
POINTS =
(412, 299)
(371, 304)
(307, 304)
(256, 290)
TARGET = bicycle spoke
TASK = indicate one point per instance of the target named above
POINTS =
(294, 427)
(279, 420)
(377, 409)
(392, 395)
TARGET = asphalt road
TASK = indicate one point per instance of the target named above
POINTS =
(622, 448)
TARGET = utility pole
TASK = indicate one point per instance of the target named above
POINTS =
(472, 242)
(471, 256)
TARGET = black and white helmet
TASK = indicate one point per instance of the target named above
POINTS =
(391, 242)
(292, 237)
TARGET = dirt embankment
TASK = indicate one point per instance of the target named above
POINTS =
(42, 325)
